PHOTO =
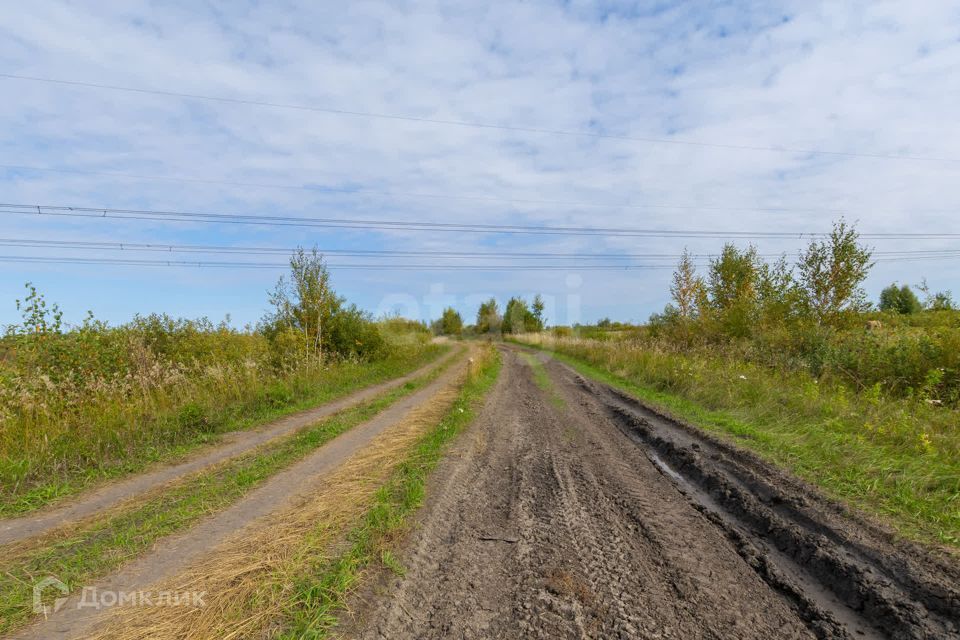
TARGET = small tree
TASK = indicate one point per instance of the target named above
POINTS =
(939, 301)
(310, 319)
(890, 298)
(687, 288)
(488, 317)
(517, 317)
(899, 300)
(38, 319)
(734, 281)
(832, 272)
(538, 307)
(778, 295)
(450, 323)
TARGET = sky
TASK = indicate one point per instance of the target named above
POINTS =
(689, 116)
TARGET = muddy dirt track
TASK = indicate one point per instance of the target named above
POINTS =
(576, 512)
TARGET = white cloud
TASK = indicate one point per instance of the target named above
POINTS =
(875, 78)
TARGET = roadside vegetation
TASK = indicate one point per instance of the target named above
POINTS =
(83, 551)
(291, 578)
(93, 401)
(793, 361)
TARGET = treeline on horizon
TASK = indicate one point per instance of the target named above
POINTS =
(811, 315)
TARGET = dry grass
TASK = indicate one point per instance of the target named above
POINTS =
(234, 575)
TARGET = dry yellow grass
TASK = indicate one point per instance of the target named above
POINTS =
(234, 574)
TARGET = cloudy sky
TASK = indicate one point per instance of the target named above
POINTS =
(719, 116)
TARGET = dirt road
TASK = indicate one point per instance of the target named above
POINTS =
(574, 512)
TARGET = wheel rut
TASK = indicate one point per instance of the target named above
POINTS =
(594, 538)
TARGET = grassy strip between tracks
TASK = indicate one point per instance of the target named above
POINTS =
(542, 379)
(318, 599)
(824, 439)
(209, 421)
(99, 545)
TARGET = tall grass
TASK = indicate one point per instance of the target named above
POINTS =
(97, 401)
(896, 456)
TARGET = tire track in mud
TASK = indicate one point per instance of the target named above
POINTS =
(232, 444)
(595, 543)
(845, 576)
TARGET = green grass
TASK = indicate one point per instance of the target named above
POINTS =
(321, 595)
(108, 544)
(542, 379)
(897, 459)
(193, 425)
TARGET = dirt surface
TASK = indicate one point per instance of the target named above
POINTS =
(230, 446)
(579, 513)
(172, 555)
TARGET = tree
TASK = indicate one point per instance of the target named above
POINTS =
(899, 300)
(733, 277)
(777, 292)
(450, 323)
(939, 301)
(538, 307)
(733, 285)
(688, 288)
(309, 318)
(517, 317)
(832, 271)
(488, 317)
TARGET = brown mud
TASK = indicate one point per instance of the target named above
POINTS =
(601, 518)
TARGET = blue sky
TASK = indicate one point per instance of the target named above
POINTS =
(856, 77)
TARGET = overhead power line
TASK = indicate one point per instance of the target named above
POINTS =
(333, 266)
(326, 190)
(359, 191)
(351, 267)
(96, 245)
(468, 123)
(411, 225)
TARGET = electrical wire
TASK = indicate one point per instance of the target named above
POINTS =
(471, 124)
(410, 225)
(352, 191)
(332, 266)
(96, 245)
